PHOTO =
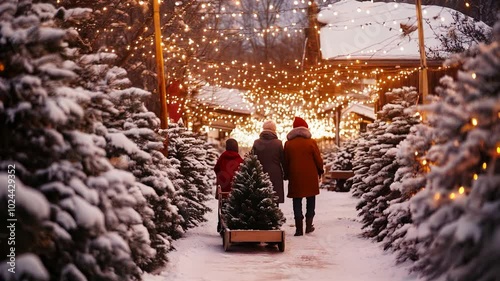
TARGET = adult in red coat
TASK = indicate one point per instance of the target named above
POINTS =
(303, 167)
(225, 168)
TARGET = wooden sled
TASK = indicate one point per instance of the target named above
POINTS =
(247, 235)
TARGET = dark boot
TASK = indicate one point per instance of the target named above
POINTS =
(299, 227)
(309, 225)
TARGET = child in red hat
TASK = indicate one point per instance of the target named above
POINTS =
(226, 167)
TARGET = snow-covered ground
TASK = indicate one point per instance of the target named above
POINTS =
(334, 251)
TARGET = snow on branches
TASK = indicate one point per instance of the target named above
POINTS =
(378, 161)
(456, 218)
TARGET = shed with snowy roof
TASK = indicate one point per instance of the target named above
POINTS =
(384, 36)
(225, 106)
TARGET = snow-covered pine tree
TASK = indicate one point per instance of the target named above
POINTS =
(343, 158)
(457, 217)
(359, 151)
(92, 228)
(352, 148)
(32, 211)
(134, 145)
(392, 127)
(408, 181)
(463, 34)
(210, 160)
(328, 156)
(212, 154)
(343, 161)
(197, 179)
(250, 204)
(363, 158)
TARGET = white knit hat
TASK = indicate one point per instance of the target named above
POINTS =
(269, 125)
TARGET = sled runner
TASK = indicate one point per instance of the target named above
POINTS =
(247, 235)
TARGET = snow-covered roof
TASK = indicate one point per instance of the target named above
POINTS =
(360, 109)
(374, 31)
(225, 99)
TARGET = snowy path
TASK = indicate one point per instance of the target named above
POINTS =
(333, 251)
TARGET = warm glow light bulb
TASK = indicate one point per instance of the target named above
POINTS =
(474, 121)
(461, 190)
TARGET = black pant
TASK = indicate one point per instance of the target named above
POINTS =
(310, 206)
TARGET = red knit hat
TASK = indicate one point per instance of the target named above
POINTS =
(299, 122)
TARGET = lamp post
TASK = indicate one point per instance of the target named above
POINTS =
(162, 90)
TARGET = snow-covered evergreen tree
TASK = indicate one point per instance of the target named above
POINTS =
(211, 159)
(343, 158)
(464, 33)
(343, 161)
(250, 204)
(392, 127)
(457, 217)
(328, 156)
(32, 211)
(361, 146)
(339, 158)
(93, 226)
(197, 180)
(408, 181)
(134, 145)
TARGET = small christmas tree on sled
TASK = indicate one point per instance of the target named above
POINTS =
(250, 213)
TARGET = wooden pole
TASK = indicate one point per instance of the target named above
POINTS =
(312, 54)
(162, 90)
(338, 114)
(424, 85)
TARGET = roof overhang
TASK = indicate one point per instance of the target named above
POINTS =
(383, 63)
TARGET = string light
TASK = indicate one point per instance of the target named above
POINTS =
(461, 190)
(297, 90)
(437, 196)
(474, 121)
